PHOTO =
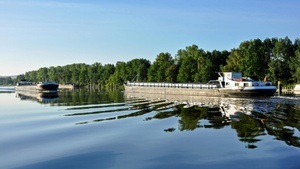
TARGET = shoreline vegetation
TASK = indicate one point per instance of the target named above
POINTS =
(276, 58)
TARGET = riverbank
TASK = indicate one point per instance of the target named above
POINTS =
(66, 86)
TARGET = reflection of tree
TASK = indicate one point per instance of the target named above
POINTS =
(85, 97)
(215, 119)
(248, 129)
(282, 124)
(166, 114)
(282, 121)
(190, 117)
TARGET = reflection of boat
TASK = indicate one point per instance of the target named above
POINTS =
(229, 107)
(43, 97)
(49, 87)
(232, 110)
(7, 89)
(228, 84)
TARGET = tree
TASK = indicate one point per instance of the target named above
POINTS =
(137, 67)
(31, 76)
(116, 80)
(83, 72)
(190, 61)
(295, 62)
(74, 73)
(218, 60)
(205, 71)
(53, 74)
(94, 74)
(159, 71)
(187, 69)
(20, 77)
(108, 70)
(232, 61)
(42, 74)
(279, 66)
(6, 81)
(249, 58)
(60, 75)
(279, 58)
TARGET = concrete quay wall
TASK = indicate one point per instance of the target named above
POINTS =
(68, 86)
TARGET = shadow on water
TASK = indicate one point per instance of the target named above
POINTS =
(72, 98)
(7, 89)
(43, 98)
(87, 97)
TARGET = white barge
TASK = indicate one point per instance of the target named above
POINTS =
(296, 89)
(228, 84)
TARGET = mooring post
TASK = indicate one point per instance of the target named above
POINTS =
(279, 88)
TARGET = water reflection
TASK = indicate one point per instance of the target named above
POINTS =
(37, 96)
(87, 97)
(71, 98)
(159, 130)
(7, 89)
(251, 118)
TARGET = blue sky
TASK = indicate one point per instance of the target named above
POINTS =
(44, 33)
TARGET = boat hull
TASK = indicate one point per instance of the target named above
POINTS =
(214, 92)
(173, 91)
(46, 87)
(246, 93)
(50, 87)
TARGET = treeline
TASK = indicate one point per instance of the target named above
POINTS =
(6, 81)
(277, 58)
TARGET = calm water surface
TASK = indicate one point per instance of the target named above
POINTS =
(84, 129)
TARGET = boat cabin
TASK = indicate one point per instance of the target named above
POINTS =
(235, 79)
(25, 83)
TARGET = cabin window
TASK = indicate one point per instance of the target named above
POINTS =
(236, 84)
(246, 84)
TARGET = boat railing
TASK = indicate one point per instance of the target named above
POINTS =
(173, 85)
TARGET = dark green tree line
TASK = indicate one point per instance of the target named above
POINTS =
(277, 58)
(5, 81)
(162, 69)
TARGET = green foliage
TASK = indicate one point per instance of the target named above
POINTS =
(218, 60)
(274, 57)
(282, 57)
(250, 59)
(162, 69)
(189, 61)
(116, 80)
(5, 81)
(295, 62)
(196, 65)
(279, 59)
(139, 68)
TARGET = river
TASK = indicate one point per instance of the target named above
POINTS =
(85, 129)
